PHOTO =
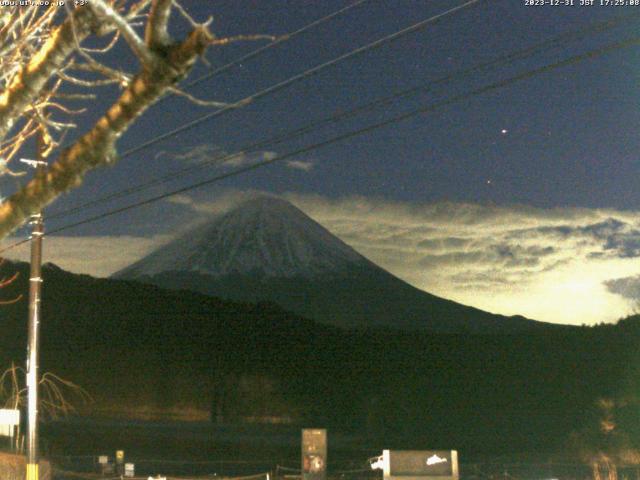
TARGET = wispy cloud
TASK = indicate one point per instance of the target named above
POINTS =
(215, 155)
(551, 264)
(563, 265)
(198, 154)
(98, 256)
(627, 287)
(305, 166)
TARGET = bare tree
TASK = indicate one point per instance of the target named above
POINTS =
(42, 52)
(60, 397)
(5, 282)
(604, 444)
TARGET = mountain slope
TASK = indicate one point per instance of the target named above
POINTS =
(141, 350)
(266, 237)
(267, 249)
(136, 346)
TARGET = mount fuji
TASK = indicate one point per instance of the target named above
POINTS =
(266, 249)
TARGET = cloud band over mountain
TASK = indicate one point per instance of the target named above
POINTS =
(563, 265)
(552, 264)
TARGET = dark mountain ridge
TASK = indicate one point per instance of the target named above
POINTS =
(265, 249)
(139, 348)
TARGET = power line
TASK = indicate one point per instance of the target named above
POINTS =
(258, 51)
(557, 41)
(396, 119)
(307, 73)
(296, 78)
(278, 41)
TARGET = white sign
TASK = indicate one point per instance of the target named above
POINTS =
(377, 463)
(435, 459)
(9, 417)
(129, 469)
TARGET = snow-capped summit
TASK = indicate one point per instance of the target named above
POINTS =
(264, 236)
(267, 249)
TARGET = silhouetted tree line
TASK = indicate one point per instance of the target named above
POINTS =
(134, 344)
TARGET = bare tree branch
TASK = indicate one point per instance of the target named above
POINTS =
(188, 17)
(104, 11)
(97, 147)
(157, 34)
(29, 83)
(44, 51)
(136, 9)
(242, 38)
(111, 75)
(59, 396)
(198, 101)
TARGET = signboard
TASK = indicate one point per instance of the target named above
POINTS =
(314, 454)
(9, 420)
(9, 417)
(104, 467)
(420, 464)
(129, 470)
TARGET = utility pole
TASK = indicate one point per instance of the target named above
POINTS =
(35, 284)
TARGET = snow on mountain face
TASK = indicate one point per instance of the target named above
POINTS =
(264, 236)
(308, 271)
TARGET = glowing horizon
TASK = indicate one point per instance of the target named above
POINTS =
(571, 266)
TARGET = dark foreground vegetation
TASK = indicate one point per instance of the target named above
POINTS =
(140, 349)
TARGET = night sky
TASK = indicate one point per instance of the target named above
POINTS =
(521, 199)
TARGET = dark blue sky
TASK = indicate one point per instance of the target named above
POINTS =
(474, 202)
(568, 137)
